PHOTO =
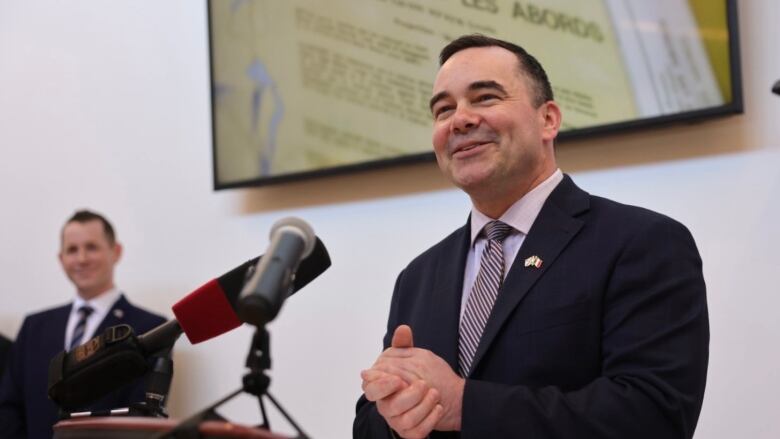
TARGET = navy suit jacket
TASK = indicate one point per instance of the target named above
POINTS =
(25, 408)
(609, 338)
(5, 346)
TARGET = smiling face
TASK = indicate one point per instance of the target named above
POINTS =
(489, 137)
(88, 257)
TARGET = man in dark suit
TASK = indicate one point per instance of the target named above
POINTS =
(552, 313)
(89, 251)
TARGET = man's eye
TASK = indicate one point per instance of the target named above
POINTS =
(441, 111)
(488, 97)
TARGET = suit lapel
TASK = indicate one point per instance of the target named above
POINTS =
(117, 315)
(446, 296)
(551, 232)
(59, 323)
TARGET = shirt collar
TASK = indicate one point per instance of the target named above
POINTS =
(522, 214)
(101, 304)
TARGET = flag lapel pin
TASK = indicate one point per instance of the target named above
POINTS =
(533, 261)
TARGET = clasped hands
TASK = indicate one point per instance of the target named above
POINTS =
(415, 390)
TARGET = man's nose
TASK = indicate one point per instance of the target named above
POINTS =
(81, 255)
(464, 120)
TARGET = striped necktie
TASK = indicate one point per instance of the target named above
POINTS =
(483, 294)
(81, 326)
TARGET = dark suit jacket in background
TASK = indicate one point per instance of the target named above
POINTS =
(25, 408)
(5, 346)
(609, 338)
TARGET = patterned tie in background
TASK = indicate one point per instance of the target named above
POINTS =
(483, 294)
(78, 331)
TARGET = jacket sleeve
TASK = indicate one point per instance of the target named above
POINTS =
(369, 424)
(654, 354)
(12, 413)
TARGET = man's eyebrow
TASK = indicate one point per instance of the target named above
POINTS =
(478, 85)
(487, 84)
(436, 98)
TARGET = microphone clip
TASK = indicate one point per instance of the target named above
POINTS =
(258, 361)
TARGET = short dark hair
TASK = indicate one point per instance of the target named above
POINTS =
(528, 64)
(84, 216)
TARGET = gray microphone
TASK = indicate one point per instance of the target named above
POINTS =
(292, 240)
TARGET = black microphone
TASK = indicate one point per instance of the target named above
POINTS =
(292, 240)
(776, 88)
(158, 384)
(118, 356)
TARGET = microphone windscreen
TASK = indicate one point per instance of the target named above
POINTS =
(210, 310)
(206, 313)
(233, 281)
(311, 266)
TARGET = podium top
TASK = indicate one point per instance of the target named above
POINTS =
(128, 427)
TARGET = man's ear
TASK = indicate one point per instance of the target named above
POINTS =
(117, 251)
(550, 114)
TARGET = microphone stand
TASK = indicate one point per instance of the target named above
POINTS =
(255, 382)
(258, 361)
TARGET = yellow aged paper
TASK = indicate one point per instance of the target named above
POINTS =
(300, 85)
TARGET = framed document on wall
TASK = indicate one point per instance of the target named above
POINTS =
(302, 88)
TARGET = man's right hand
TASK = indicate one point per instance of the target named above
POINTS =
(413, 409)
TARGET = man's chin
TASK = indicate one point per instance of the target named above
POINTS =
(83, 284)
(471, 181)
(87, 289)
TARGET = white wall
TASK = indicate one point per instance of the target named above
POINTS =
(106, 105)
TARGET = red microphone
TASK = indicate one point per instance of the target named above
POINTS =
(206, 313)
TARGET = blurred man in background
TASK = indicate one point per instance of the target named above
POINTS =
(88, 254)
